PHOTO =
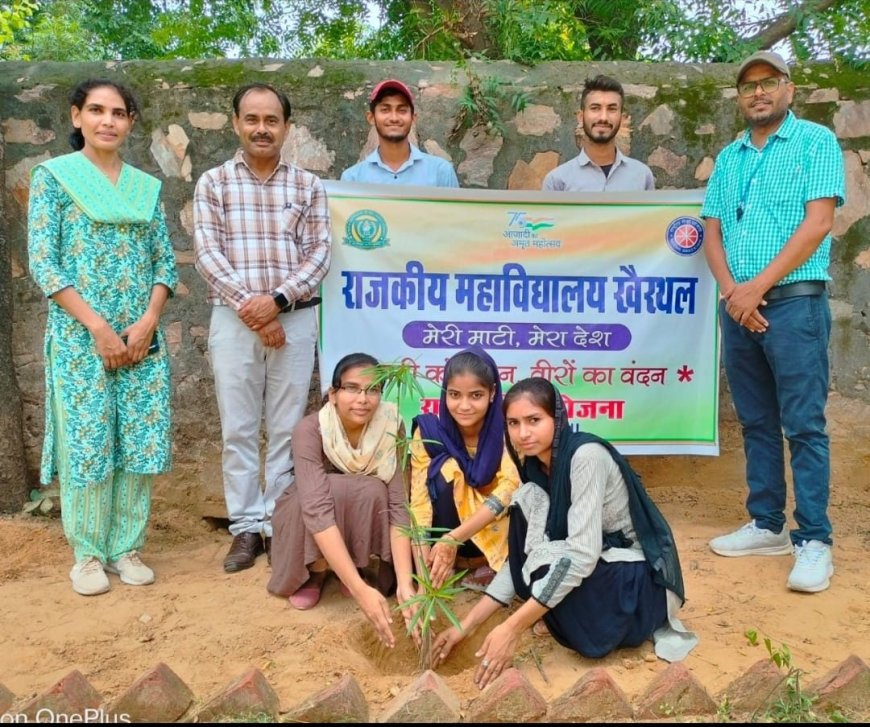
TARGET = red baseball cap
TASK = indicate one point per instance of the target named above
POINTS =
(392, 84)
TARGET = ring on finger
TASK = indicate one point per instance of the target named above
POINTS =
(485, 664)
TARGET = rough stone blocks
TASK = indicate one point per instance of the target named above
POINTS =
(72, 695)
(159, 695)
(249, 696)
(510, 698)
(595, 697)
(427, 699)
(674, 693)
(762, 684)
(846, 688)
(340, 702)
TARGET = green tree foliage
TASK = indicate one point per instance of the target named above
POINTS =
(14, 17)
(59, 32)
(64, 30)
(708, 30)
(530, 31)
(525, 31)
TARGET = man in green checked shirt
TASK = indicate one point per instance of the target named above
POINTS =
(769, 209)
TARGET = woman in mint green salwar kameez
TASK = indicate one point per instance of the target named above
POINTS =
(100, 251)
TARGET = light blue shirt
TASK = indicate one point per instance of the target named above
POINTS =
(801, 161)
(581, 174)
(425, 170)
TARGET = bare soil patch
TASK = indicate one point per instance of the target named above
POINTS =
(209, 626)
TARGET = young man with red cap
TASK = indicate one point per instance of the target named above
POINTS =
(769, 210)
(396, 160)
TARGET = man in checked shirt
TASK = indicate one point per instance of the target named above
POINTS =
(262, 241)
(769, 210)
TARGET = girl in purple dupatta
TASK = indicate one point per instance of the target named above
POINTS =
(461, 476)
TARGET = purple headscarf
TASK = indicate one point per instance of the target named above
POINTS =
(448, 443)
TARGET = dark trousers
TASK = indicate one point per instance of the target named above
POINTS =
(617, 605)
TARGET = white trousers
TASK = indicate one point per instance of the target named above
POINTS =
(252, 379)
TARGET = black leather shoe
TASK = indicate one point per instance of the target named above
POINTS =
(243, 552)
(268, 543)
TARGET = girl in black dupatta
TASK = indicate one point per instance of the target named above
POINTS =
(589, 552)
(462, 479)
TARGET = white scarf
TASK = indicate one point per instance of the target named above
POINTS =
(376, 454)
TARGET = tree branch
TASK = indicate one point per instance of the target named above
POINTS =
(466, 22)
(786, 24)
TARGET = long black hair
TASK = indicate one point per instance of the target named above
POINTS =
(79, 95)
(556, 481)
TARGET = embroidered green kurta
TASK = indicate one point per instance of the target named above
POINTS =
(111, 244)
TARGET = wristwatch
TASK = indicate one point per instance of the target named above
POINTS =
(281, 301)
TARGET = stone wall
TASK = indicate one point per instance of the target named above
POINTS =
(681, 116)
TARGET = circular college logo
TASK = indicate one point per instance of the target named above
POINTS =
(685, 235)
(366, 230)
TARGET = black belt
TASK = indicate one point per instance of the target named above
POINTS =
(300, 304)
(792, 290)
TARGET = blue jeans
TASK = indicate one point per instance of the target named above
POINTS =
(779, 384)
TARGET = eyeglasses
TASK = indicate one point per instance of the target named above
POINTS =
(768, 85)
(372, 392)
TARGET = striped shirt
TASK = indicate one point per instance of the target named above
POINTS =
(599, 504)
(800, 162)
(258, 238)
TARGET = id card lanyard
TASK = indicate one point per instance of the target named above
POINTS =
(746, 186)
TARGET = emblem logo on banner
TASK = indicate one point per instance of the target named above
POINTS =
(366, 230)
(685, 235)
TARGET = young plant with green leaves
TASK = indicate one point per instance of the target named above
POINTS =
(795, 704)
(401, 381)
(481, 102)
(430, 601)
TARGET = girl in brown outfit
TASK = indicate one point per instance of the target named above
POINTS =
(347, 502)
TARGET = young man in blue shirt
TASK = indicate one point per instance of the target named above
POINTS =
(769, 210)
(396, 160)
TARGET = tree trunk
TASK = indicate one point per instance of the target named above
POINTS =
(13, 472)
(468, 24)
(786, 24)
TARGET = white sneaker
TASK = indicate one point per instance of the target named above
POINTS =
(813, 567)
(132, 570)
(88, 577)
(752, 540)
